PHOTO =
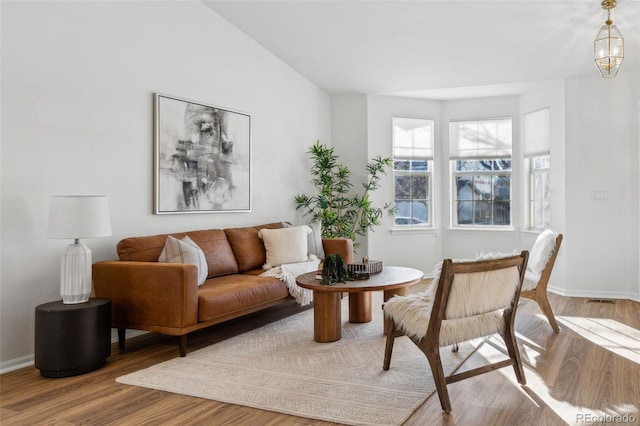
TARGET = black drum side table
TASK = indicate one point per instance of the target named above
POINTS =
(72, 339)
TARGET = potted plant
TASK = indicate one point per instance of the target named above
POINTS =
(334, 270)
(342, 214)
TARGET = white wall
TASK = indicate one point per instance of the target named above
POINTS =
(77, 115)
(419, 248)
(593, 139)
(602, 155)
(416, 249)
(349, 136)
(552, 97)
(76, 96)
(465, 244)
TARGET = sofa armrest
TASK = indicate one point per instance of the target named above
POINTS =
(148, 295)
(342, 246)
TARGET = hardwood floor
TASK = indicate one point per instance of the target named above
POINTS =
(590, 370)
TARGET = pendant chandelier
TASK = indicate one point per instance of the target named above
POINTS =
(609, 45)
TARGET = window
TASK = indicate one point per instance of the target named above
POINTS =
(480, 154)
(539, 191)
(537, 143)
(412, 170)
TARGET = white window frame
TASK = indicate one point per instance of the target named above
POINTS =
(537, 146)
(472, 146)
(537, 204)
(422, 151)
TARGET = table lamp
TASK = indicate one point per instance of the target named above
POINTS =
(75, 217)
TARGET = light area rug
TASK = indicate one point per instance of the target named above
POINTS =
(279, 367)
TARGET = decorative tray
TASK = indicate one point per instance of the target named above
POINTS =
(367, 267)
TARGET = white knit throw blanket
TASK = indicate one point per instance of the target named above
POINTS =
(288, 273)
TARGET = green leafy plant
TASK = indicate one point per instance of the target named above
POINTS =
(334, 270)
(342, 215)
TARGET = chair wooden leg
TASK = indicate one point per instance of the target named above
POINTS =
(545, 307)
(389, 325)
(433, 356)
(512, 348)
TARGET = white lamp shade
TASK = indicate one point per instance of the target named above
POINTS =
(79, 216)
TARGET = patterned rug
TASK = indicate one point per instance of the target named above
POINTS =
(280, 368)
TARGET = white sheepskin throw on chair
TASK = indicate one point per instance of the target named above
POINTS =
(474, 309)
(538, 257)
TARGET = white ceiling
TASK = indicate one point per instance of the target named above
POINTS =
(433, 49)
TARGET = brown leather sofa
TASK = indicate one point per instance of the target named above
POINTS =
(165, 297)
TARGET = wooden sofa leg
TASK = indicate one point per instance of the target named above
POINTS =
(183, 345)
(121, 338)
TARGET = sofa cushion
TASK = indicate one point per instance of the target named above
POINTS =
(185, 251)
(247, 247)
(213, 242)
(142, 249)
(286, 245)
(231, 294)
(216, 248)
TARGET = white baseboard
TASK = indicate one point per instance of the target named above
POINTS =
(16, 363)
(594, 294)
(29, 360)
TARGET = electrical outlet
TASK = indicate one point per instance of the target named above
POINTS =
(600, 196)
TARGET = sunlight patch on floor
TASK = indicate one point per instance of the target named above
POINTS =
(608, 334)
(540, 394)
(536, 389)
(530, 350)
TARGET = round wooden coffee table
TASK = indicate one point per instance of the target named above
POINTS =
(327, 317)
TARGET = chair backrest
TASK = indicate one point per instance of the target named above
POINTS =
(542, 250)
(546, 272)
(476, 293)
(541, 261)
(473, 288)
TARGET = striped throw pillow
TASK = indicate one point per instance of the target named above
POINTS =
(185, 251)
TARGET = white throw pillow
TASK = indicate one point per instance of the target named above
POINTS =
(185, 251)
(314, 239)
(285, 245)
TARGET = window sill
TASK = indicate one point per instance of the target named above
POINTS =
(531, 232)
(412, 230)
(481, 230)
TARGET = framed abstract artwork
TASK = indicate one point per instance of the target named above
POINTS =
(202, 157)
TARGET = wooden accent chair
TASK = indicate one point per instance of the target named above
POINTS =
(535, 283)
(470, 299)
